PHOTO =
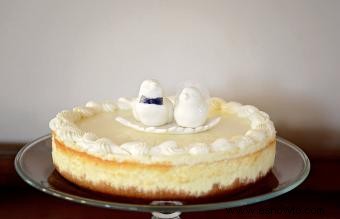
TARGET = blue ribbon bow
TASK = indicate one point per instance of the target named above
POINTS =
(156, 101)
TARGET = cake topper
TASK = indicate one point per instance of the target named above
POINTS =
(155, 113)
(151, 108)
(191, 109)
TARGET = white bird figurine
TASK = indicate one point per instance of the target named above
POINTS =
(151, 108)
(191, 109)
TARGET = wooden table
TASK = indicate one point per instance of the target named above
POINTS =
(317, 197)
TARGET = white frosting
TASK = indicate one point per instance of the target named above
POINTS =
(101, 146)
(166, 148)
(246, 111)
(95, 106)
(221, 144)
(198, 148)
(232, 106)
(243, 141)
(258, 135)
(125, 103)
(109, 106)
(191, 109)
(66, 130)
(85, 111)
(171, 128)
(136, 148)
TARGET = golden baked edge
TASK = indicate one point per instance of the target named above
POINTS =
(161, 181)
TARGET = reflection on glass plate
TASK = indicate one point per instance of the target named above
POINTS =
(34, 165)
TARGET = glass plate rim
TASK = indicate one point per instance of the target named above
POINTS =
(152, 208)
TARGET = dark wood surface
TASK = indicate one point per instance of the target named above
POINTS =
(317, 197)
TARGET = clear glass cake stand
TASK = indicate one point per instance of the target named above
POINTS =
(34, 165)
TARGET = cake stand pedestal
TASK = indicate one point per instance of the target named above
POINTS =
(34, 165)
(164, 215)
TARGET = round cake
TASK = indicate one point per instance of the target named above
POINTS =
(196, 146)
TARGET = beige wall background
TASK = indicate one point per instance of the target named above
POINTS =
(282, 56)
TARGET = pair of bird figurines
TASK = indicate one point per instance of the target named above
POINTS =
(152, 108)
